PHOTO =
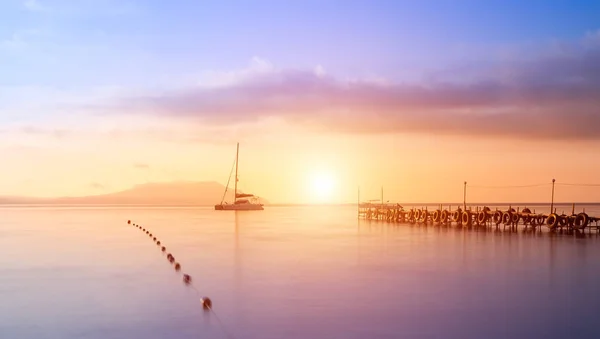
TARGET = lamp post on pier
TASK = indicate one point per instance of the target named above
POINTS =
(552, 201)
(465, 197)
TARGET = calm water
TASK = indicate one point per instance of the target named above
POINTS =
(287, 272)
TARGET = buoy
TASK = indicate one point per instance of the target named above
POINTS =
(206, 303)
(164, 248)
(158, 243)
(187, 279)
(128, 221)
(154, 239)
(177, 266)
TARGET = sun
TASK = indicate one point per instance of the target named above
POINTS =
(322, 186)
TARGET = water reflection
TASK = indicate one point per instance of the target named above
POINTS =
(237, 253)
(296, 273)
(365, 225)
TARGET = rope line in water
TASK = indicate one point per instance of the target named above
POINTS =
(589, 185)
(187, 279)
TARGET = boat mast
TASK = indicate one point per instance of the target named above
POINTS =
(237, 152)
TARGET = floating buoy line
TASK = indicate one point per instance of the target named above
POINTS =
(186, 278)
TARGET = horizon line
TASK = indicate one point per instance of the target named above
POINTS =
(426, 204)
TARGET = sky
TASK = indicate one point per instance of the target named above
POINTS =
(324, 97)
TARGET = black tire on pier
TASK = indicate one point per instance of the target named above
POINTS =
(456, 215)
(552, 221)
(444, 216)
(506, 217)
(515, 218)
(581, 221)
(466, 218)
(533, 222)
(436, 216)
(497, 217)
(482, 217)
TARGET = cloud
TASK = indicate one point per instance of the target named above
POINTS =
(97, 186)
(52, 132)
(84, 9)
(552, 95)
(216, 79)
(22, 39)
(141, 166)
(34, 6)
(555, 96)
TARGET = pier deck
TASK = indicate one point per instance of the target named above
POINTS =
(483, 217)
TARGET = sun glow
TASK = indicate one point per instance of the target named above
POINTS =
(322, 187)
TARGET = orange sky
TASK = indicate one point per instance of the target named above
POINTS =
(281, 162)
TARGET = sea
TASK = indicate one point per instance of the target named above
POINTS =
(287, 272)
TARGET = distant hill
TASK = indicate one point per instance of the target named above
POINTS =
(166, 194)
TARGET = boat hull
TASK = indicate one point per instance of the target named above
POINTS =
(239, 207)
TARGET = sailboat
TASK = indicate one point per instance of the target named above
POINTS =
(242, 201)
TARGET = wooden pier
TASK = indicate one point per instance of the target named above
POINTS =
(483, 217)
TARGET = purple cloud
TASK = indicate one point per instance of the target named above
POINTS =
(555, 96)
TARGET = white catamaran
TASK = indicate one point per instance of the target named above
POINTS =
(242, 201)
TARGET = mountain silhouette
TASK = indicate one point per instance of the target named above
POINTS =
(180, 193)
